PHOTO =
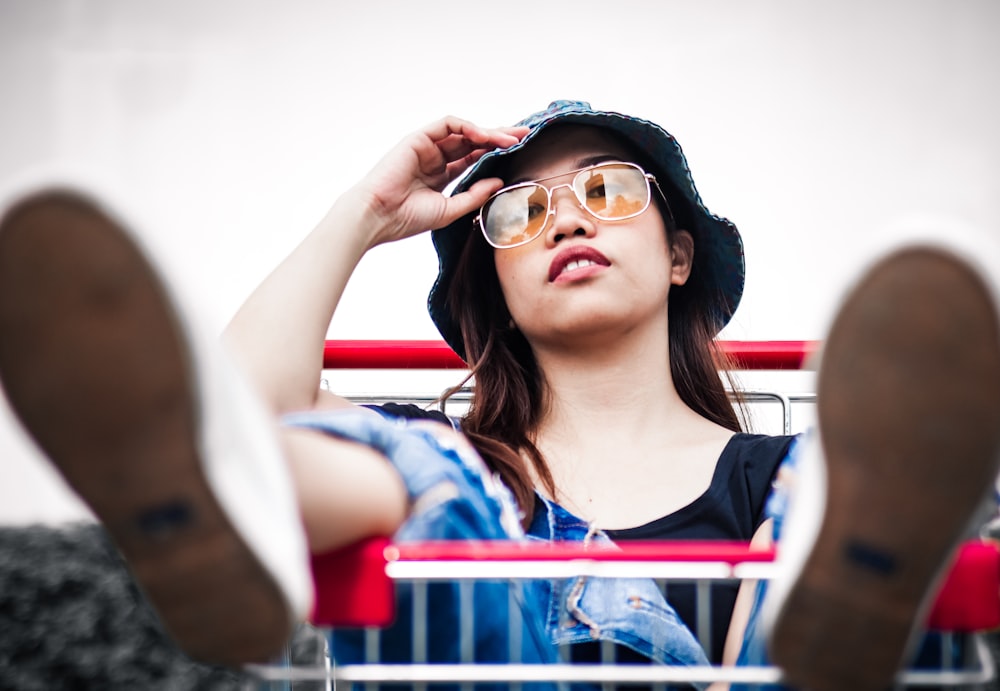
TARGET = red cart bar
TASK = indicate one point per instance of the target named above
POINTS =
(409, 354)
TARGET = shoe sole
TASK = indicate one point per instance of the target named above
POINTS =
(909, 413)
(94, 364)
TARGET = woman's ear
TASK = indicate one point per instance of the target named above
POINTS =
(681, 256)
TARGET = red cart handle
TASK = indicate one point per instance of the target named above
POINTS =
(372, 354)
(353, 587)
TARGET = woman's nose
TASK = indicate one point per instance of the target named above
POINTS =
(570, 219)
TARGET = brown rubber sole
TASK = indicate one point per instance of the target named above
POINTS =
(94, 365)
(909, 413)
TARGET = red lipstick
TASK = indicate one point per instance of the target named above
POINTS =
(571, 256)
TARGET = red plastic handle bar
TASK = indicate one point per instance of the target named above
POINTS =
(373, 354)
(353, 588)
(469, 550)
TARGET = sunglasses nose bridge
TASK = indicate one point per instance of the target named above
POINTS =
(572, 195)
(572, 220)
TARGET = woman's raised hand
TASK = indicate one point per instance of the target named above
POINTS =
(404, 190)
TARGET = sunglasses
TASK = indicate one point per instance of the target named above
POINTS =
(611, 191)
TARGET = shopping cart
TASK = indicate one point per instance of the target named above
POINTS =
(357, 586)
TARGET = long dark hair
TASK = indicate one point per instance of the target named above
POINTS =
(508, 395)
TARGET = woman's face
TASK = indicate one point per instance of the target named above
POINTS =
(584, 278)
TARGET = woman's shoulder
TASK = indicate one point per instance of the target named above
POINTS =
(410, 411)
(757, 452)
(756, 457)
(750, 447)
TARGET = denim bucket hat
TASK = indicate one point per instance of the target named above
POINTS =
(719, 264)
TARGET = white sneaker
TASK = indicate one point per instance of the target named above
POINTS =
(152, 427)
(908, 450)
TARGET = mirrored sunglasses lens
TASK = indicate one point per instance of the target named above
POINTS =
(516, 215)
(613, 191)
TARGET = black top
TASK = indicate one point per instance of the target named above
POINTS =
(732, 508)
(408, 410)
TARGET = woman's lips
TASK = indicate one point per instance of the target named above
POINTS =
(574, 259)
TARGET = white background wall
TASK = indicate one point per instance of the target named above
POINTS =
(232, 125)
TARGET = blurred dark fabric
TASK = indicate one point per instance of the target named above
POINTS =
(71, 617)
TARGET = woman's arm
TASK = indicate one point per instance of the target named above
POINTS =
(278, 334)
(744, 601)
(346, 491)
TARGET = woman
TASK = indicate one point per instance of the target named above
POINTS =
(583, 280)
(589, 328)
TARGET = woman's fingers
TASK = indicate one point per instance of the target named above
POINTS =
(405, 188)
(465, 203)
(452, 141)
(486, 137)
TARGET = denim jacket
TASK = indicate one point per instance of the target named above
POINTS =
(628, 611)
(454, 496)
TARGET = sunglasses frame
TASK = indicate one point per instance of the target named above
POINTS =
(550, 208)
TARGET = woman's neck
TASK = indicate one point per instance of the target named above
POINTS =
(614, 415)
(622, 383)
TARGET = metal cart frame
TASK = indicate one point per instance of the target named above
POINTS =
(356, 585)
